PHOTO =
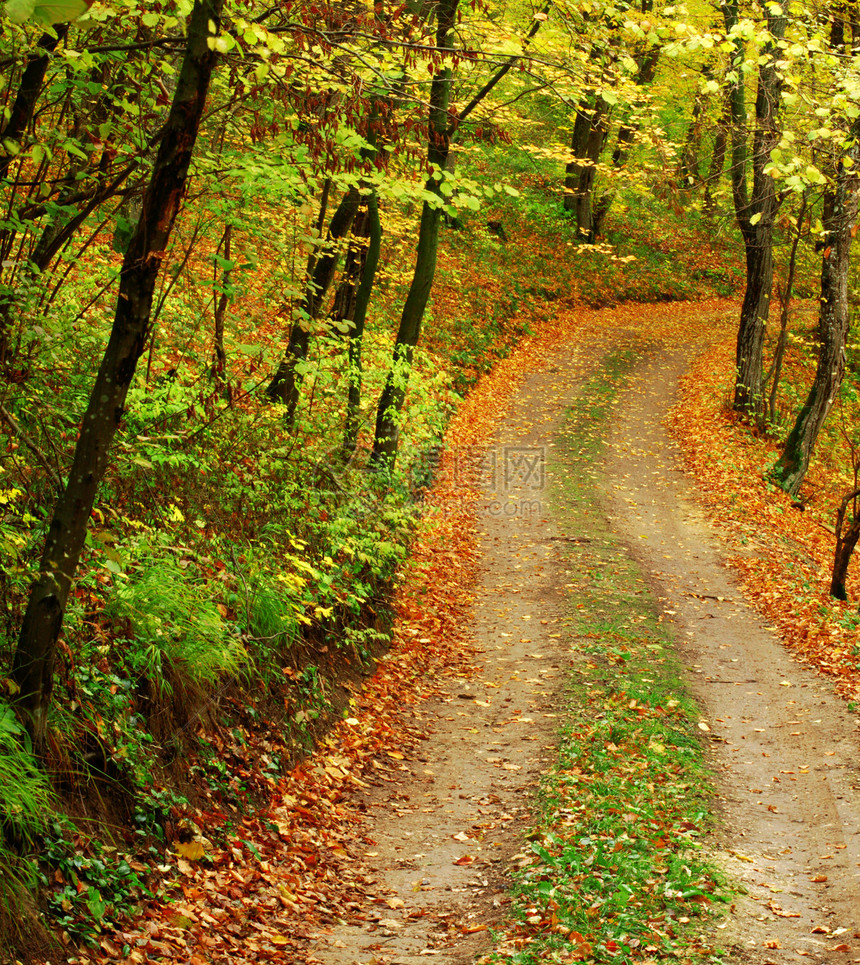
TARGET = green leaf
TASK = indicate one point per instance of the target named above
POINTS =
(54, 11)
(20, 10)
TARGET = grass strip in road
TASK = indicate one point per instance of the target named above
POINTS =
(615, 871)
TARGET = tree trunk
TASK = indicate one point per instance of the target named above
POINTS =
(785, 302)
(219, 365)
(284, 387)
(20, 115)
(590, 130)
(29, 89)
(356, 336)
(845, 543)
(33, 663)
(756, 214)
(438, 146)
(718, 157)
(342, 313)
(626, 135)
(689, 172)
(834, 320)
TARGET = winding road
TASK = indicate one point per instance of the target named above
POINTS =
(443, 830)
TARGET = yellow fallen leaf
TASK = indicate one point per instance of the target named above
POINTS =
(192, 850)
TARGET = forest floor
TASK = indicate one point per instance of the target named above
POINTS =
(411, 858)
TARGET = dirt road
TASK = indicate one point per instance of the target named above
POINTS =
(784, 745)
(442, 832)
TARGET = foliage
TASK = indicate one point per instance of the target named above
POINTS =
(26, 801)
(175, 629)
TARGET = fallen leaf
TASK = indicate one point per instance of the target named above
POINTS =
(192, 850)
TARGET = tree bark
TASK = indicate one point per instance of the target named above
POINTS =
(755, 215)
(785, 301)
(834, 320)
(29, 89)
(626, 135)
(219, 365)
(33, 663)
(356, 336)
(438, 146)
(342, 313)
(284, 387)
(590, 130)
(718, 157)
(846, 541)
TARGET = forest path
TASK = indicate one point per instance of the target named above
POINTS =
(785, 747)
(443, 829)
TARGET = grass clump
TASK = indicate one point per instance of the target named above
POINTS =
(25, 802)
(615, 870)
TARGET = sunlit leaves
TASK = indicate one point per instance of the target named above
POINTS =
(45, 13)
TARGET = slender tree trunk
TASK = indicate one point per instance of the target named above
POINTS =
(590, 130)
(284, 387)
(834, 320)
(33, 663)
(342, 312)
(438, 146)
(356, 336)
(689, 172)
(29, 89)
(756, 215)
(846, 541)
(718, 156)
(20, 116)
(785, 311)
(220, 362)
(626, 135)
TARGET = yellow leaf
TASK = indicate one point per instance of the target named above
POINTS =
(192, 850)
